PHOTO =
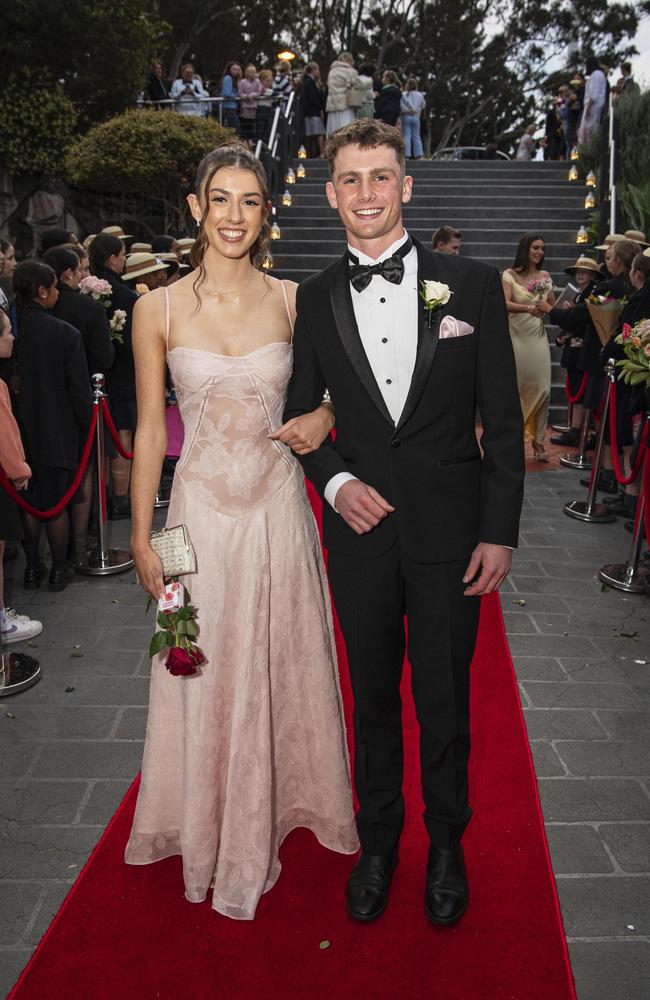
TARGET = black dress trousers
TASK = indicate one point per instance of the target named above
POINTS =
(373, 595)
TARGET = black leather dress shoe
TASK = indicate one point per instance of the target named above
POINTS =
(606, 482)
(60, 578)
(446, 891)
(33, 578)
(368, 885)
(569, 438)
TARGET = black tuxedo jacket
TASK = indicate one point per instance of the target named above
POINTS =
(447, 497)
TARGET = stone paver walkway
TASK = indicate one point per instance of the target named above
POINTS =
(71, 745)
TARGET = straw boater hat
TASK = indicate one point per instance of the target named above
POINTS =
(646, 253)
(172, 262)
(611, 238)
(116, 231)
(138, 264)
(141, 248)
(86, 243)
(637, 236)
(584, 264)
(186, 243)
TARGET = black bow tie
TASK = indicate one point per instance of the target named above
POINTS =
(392, 269)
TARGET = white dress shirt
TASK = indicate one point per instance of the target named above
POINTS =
(387, 319)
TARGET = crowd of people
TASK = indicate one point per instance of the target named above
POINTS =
(245, 97)
(64, 317)
(575, 112)
(622, 275)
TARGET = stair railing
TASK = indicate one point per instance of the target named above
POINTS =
(612, 164)
(275, 154)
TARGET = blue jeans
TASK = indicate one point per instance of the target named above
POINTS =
(411, 134)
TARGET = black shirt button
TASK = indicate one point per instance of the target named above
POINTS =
(382, 300)
(395, 443)
(384, 340)
(389, 381)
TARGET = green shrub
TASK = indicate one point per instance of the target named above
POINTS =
(36, 126)
(151, 153)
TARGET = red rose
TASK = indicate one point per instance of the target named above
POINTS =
(196, 656)
(181, 663)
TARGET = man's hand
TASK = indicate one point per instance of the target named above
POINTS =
(361, 506)
(494, 562)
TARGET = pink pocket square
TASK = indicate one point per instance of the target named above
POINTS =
(452, 327)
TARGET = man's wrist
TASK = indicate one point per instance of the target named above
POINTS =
(334, 485)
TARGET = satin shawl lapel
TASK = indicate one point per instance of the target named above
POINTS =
(427, 336)
(346, 323)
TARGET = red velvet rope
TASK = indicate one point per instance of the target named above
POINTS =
(112, 430)
(624, 480)
(581, 391)
(47, 515)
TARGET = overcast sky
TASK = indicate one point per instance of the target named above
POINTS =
(641, 63)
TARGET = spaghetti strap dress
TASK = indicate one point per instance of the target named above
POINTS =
(254, 745)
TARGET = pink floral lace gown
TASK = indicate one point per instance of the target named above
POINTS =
(254, 745)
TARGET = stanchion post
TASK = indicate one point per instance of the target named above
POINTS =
(589, 510)
(629, 576)
(579, 460)
(102, 561)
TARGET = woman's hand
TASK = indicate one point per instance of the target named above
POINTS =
(306, 433)
(543, 308)
(148, 566)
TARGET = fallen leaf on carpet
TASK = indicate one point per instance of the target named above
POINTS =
(10, 715)
(521, 603)
(323, 945)
(68, 690)
(75, 652)
(604, 589)
(628, 635)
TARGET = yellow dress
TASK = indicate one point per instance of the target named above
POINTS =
(533, 361)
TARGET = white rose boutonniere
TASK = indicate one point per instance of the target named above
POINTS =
(434, 294)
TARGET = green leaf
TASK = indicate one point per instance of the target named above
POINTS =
(192, 629)
(323, 945)
(181, 627)
(163, 619)
(158, 642)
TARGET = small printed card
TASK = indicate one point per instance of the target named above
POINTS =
(173, 598)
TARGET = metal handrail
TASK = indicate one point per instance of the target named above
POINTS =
(277, 156)
(175, 102)
(612, 165)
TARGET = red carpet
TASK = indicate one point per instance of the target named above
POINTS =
(127, 933)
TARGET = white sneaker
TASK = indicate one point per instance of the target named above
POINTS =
(18, 628)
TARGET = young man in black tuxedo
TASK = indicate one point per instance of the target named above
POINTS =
(417, 522)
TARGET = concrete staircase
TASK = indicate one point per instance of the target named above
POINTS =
(492, 203)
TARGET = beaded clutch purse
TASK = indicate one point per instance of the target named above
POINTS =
(175, 550)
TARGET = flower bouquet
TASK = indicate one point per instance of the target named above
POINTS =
(117, 323)
(605, 311)
(540, 287)
(98, 288)
(635, 341)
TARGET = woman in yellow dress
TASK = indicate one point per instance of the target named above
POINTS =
(529, 296)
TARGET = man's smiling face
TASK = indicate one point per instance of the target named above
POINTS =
(368, 188)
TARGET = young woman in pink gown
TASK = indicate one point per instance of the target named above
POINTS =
(253, 745)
